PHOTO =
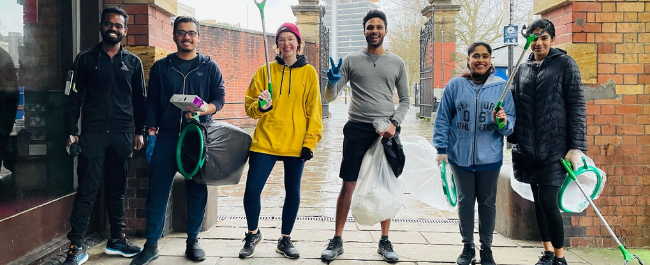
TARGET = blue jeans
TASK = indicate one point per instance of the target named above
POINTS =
(163, 170)
(260, 166)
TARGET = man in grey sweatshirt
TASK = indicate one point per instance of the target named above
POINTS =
(373, 74)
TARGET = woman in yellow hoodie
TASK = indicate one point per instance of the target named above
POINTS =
(289, 127)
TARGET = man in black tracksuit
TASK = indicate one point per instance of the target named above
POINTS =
(110, 82)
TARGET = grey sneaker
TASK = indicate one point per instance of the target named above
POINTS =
(333, 250)
(286, 248)
(386, 251)
(251, 240)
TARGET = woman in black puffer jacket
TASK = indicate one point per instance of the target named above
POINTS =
(551, 124)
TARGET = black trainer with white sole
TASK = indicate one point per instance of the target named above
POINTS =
(250, 242)
(286, 248)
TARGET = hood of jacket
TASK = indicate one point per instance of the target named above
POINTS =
(464, 128)
(283, 67)
(302, 61)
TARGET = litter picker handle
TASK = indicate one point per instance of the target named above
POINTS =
(261, 5)
(500, 122)
(626, 255)
(529, 39)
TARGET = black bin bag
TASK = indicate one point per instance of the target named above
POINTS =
(213, 153)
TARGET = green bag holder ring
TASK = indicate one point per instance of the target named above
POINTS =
(192, 126)
(568, 180)
(448, 188)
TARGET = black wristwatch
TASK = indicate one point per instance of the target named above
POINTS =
(394, 122)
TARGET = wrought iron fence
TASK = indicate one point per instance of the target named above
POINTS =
(426, 70)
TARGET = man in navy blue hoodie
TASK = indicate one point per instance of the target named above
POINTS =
(183, 72)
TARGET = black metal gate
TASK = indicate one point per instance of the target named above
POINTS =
(426, 70)
(323, 57)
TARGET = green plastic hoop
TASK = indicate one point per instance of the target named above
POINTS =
(448, 188)
(192, 126)
(572, 177)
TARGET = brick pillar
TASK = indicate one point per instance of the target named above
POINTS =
(610, 43)
(443, 13)
(307, 14)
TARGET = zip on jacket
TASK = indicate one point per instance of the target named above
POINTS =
(112, 92)
(204, 80)
(455, 126)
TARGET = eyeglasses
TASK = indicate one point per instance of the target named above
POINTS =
(283, 40)
(109, 25)
(182, 33)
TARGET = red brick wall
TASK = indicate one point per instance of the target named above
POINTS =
(239, 54)
(618, 128)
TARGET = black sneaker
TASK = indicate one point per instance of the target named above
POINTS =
(486, 256)
(251, 240)
(193, 250)
(148, 254)
(559, 261)
(121, 247)
(333, 250)
(286, 248)
(76, 255)
(468, 256)
(546, 258)
(386, 251)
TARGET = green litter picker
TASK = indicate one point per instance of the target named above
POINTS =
(529, 39)
(626, 255)
(261, 5)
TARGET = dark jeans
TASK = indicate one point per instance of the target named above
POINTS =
(547, 213)
(475, 187)
(260, 166)
(163, 170)
(108, 156)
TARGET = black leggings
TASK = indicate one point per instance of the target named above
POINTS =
(547, 212)
(260, 167)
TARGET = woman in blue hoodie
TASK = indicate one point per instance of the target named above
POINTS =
(467, 137)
